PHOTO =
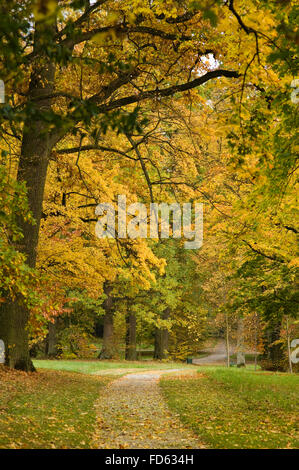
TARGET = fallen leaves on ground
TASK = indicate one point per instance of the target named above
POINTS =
(48, 409)
(133, 414)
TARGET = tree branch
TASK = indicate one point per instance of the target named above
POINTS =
(143, 166)
(231, 7)
(259, 252)
(84, 17)
(85, 148)
(167, 91)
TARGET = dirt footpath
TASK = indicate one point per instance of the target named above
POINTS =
(131, 413)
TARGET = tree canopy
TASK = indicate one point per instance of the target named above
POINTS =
(160, 101)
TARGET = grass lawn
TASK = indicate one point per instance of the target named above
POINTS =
(91, 367)
(47, 410)
(237, 408)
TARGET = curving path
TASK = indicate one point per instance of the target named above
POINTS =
(216, 355)
(131, 413)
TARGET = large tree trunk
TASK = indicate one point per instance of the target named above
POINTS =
(273, 356)
(131, 353)
(32, 170)
(13, 321)
(108, 346)
(162, 339)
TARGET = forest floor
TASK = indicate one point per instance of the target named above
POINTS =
(237, 408)
(163, 405)
(48, 409)
(62, 409)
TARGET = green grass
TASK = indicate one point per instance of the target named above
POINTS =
(49, 409)
(237, 408)
(91, 367)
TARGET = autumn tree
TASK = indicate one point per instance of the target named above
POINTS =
(73, 70)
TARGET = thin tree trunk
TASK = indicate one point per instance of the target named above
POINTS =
(227, 341)
(32, 170)
(240, 344)
(108, 346)
(131, 353)
(255, 341)
(289, 346)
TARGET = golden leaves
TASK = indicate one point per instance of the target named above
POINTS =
(44, 10)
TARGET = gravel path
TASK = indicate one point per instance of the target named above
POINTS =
(131, 413)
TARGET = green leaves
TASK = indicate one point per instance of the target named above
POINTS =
(15, 276)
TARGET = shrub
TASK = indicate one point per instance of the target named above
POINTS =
(74, 342)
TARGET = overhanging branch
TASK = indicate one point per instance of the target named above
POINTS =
(169, 91)
(259, 252)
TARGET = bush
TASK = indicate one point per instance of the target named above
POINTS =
(74, 342)
(281, 365)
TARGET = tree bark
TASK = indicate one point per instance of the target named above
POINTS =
(32, 170)
(51, 342)
(255, 339)
(289, 346)
(240, 344)
(131, 353)
(108, 346)
(273, 356)
(13, 321)
(227, 340)
(162, 339)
